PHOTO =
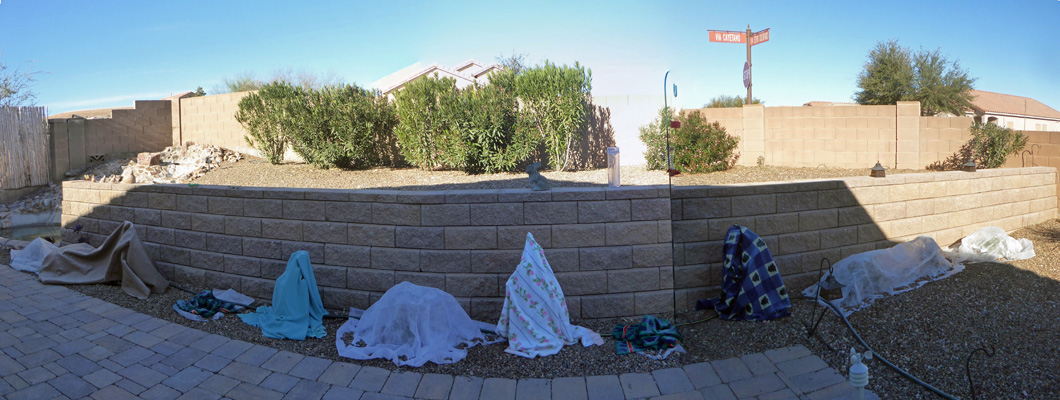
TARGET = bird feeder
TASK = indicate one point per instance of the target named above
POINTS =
(968, 166)
(675, 124)
(878, 171)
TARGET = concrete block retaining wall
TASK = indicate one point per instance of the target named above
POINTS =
(610, 248)
(803, 222)
(616, 252)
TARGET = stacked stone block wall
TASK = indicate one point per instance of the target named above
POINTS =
(610, 248)
(616, 251)
(804, 222)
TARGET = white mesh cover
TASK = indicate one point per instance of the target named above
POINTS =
(875, 274)
(31, 258)
(991, 244)
(411, 325)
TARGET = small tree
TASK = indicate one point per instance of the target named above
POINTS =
(198, 92)
(724, 101)
(893, 73)
(244, 82)
(15, 86)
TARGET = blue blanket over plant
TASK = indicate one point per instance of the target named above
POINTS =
(751, 285)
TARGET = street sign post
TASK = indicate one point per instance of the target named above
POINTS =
(747, 37)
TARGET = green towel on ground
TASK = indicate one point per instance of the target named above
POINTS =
(650, 334)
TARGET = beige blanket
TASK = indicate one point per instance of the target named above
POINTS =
(121, 257)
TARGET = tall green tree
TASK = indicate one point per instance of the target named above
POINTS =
(894, 73)
(723, 101)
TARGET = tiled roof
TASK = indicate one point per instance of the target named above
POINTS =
(1008, 104)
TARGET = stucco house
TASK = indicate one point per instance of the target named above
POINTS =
(1015, 112)
(465, 74)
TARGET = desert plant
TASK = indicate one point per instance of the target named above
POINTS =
(729, 101)
(424, 131)
(989, 146)
(555, 103)
(701, 146)
(15, 86)
(654, 137)
(268, 116)
(484, 118)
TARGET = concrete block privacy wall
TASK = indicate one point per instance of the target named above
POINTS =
(848, 136)
(617, 252)
(610, 248)
(75, 141)
(211, 120)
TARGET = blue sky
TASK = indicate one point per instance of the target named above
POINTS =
(109, 53)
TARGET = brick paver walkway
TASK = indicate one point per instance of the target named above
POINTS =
(58, 343)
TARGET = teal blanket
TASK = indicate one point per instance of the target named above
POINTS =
(296, 310)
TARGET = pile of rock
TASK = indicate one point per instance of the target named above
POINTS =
(46, 200)
(175, 164)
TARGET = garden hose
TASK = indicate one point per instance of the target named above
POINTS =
(884, 360)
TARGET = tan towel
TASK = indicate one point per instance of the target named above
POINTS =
(120, 257)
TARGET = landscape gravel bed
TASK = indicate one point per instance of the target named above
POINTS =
(1012, 307)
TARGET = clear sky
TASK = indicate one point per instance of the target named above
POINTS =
(109, 53)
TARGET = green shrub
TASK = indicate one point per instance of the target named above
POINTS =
(344, 126)
(555, 104)
(268, 117)
(992, 144)
(701, 146)
(424, 133)
(484, 118)
(989, 146)
(654, 137)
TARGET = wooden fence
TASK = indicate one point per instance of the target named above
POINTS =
(24, 158)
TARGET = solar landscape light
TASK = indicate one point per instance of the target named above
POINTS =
(878, 171)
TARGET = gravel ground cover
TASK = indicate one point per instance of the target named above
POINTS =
(1012, 307)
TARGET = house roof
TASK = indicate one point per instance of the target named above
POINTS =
(991, 102)
(88, 114)
(405, 75)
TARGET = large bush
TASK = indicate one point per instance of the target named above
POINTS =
(344, 126)
(989, 147)
(699, 146)
(268, 115)
(423, 131)
(555, 104)
(484, 118)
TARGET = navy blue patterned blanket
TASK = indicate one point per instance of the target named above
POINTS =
(751, 285)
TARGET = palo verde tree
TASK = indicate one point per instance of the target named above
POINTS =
(893, 73)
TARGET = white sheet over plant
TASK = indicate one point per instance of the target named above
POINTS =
(876, 274)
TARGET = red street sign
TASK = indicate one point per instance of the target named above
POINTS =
(760, 37)
(727, 36)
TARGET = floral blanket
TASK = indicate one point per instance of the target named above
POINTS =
(534, 318)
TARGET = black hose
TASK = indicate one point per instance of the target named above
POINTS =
(884, 360)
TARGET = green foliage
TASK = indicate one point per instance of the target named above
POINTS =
(15, 86)
(198, 92)
(701, 146)
(723, 101)
(894, 73)
(342, 126)
(555, 103)
(269, 117)
(654, 137)
(484, 118)
(244, 82)
(989, 147)
(423, 133)
(992, 144)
